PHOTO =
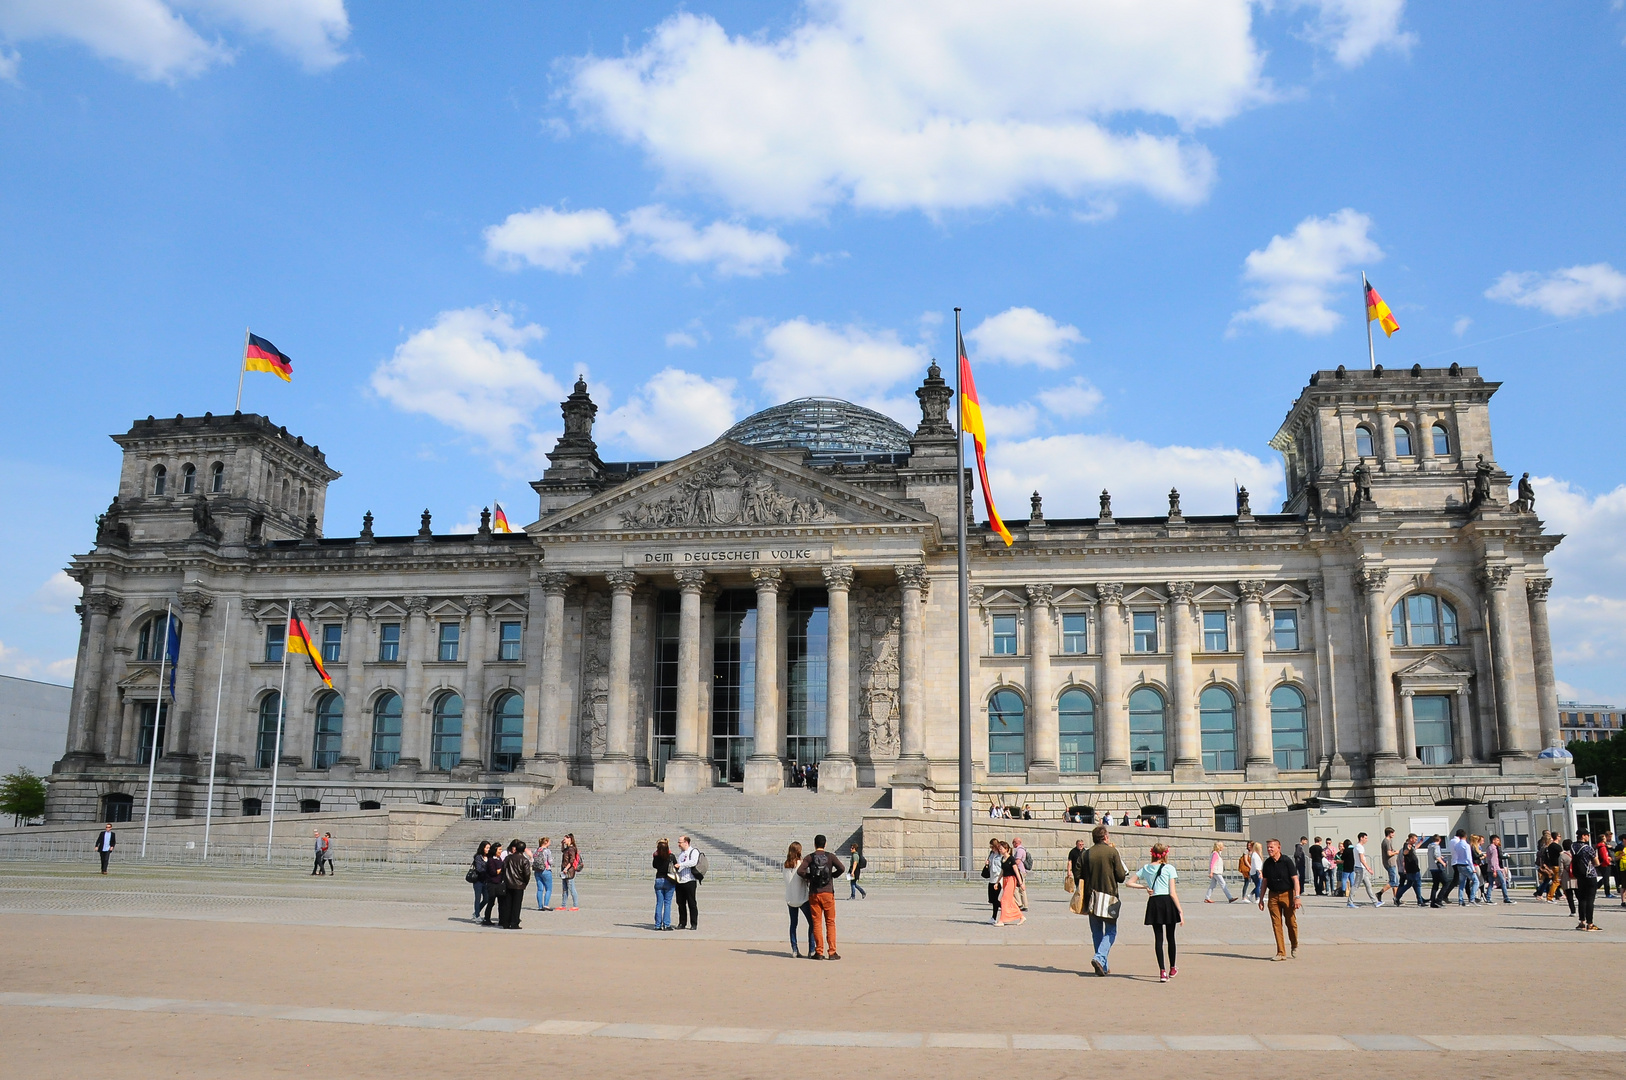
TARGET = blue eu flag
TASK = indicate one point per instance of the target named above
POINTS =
(172, 651)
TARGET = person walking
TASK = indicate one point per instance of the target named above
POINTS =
(665, 866)
(1103, 871)
(570, 864)
(688, 884)
(1411, 876)
(993, 872)
(1555, 866)
(327, 850)
(106, 841)
(542, 864)
(516, 878)
(1317, 866)
(1361, 874)
(477, 876)
(1462, 870)
(1329, 866)
(1024, 863)
(1496, 866)
(1282, 884)
(1604, 863)
(1391, 869)
(321, 853)
(1216, 875)
(796, 899)
(1256, 865)
(855, 866)
(821, 869)
(1163, 912)
(493, 881)
(1584, 868)
(1301, 858)
(1010, 883)
(1435, 856)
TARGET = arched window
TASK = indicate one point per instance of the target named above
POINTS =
(1289, 737)
(386, 731)
(265, 745)
(1227, 819)
(1147, 734)
(304, 501)
(1423, 620)
(160, 479)
(446, 749)
(1431, 716)
(1363, 442)
(1007, 741)
(117, 806)
(150, 640)
(1077, 715)
(329, 731)
(217, 478)
(1156, 817)
(189, 479)
(1402, 440)
(251, 807)
(310, 806)
(284, 501)
(1442, 441)
(507, 732)
(371, 804)
(1218, 712)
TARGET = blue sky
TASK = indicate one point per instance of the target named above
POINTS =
(1154, 216)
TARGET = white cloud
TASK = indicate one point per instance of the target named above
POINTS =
(1021, 335)
(1070, 471)
(1460, 327)
(1293, 277)
(9, 59)
(681, 339)
(1575, 290)
(933, 106)
(58, 595)
(153, 39)
(674, 413)
(560, 240)
(802, 359)
(1072, 400)
(470, 372)
(1587, 607)
(1354, 29)
(15, 662)
(552, 239)
(1010, 421)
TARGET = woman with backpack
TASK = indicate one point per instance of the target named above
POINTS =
(688, 882)
(796, 898)
(855, 866)
(570, 864)
(477, 876)
(1163, 911)
(665, 865)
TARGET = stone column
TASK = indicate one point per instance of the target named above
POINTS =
(544, 670)
(1541, 648)
(1261, 757)
(685, 772)
(85, 712)
(1044, 749)
(1460, 724)
(764, 772)
(1503, 658)
(1188, 740)
(614, 773)
(1386, 441)
(837, 772)
(476, 723)
(912, 763)
(414, 710)
(1372, 579)
(1114, 711)
(1424, 439)
(1408, 727)
(180, 735)
(1322, 745)
(357, 717)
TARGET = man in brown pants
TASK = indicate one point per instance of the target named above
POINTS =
(820, 871)
(1282, 887)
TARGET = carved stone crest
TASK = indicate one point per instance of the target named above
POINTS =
(726, 495)
(595, 701)
(878, 683)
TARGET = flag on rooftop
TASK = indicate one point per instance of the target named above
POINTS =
(1378, 310)
(971, 424)
(499, 520)
(260, 355)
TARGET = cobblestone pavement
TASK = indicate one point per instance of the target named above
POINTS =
(257, 973)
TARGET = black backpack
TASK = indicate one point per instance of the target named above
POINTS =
(818, 872)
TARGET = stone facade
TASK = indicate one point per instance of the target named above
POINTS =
(711, 618)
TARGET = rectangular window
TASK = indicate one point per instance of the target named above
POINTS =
(152, 743)
(1287, 630)
(1004, 635)
(274, 636)
(1145, 627)
(389, 642)
(668, 613)
(1216, 633)
(449, 632)
(1432, 716)
(1075, 634)
(733, 687)
(807, 676)
(508, 641)
(332, 638)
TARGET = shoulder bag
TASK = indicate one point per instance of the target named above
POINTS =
(1103, 905)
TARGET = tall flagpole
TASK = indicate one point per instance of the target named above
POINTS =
(158, 719)
(214, 748)
(1371, 353)
(966, 854)
(282, 718)
(242, 366)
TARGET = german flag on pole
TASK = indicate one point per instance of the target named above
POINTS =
(499, 520)
(1377, 309)
(260, 355)
(971, 424)
(299, 641)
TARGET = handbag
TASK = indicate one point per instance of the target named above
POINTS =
(1103, 905)
(471, 876)
(985, 872)
(1076, 904)
(1068, 884)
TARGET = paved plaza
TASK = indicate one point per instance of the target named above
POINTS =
(244, 972)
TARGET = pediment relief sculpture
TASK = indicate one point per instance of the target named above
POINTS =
(727, 494)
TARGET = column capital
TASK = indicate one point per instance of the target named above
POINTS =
(1110, 592)
(1181, 592)
(477, 603)
(417, 605)
(1317, 589)
(553, 582)
(1407, 692)
(690, 581)
(1495, 576)
(196, 600)
(1371, 577)
(1252, 590)
(1537, 589)
(767, 578)
(100, 603)
(357, 606)
(1041, 595)
(912, 576)
(622, 581)
(838, 577)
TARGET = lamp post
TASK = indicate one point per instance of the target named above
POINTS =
(1559, 760)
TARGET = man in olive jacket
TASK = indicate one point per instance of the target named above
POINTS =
(1103, 871)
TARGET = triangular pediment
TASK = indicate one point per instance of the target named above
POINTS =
(729, 487)
(1436, 665)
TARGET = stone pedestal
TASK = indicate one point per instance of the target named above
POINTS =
(1259, 770)
(1116, 774)
(764, 776)
(1387, 765)
(614, 776)
(1517, 763)
(909, 798)
(1188, 774)
(687, 776)
(1040, 773)
(837, 775)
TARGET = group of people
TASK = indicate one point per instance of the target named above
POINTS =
(677, 874)
(805, 776)
(500, 877)
(1007, 873)
(1580, 867)
(1017, 813)
(810, 893)
(324, 853)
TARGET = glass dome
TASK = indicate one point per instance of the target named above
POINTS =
(829, 427)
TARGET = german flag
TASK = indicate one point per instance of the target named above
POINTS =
(971, 424)
(260, 355)
(1377, 309)
(499, 520)
(299, 641)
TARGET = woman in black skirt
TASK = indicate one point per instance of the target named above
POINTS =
(1163, 911)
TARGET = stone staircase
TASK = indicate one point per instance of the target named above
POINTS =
(617, 833)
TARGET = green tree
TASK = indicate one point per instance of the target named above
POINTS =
(1606, 760)
(22, 795)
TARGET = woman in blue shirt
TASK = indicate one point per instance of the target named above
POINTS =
(1163, 911)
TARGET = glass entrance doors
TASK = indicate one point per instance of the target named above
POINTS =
(807, 677)
(733, 683)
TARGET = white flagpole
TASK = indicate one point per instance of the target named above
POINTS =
(967, 855)
(214, 748)
(242, 366)
(1370, 351)
(158, 719)
(282, 718)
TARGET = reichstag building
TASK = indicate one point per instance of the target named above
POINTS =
(788, 595)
